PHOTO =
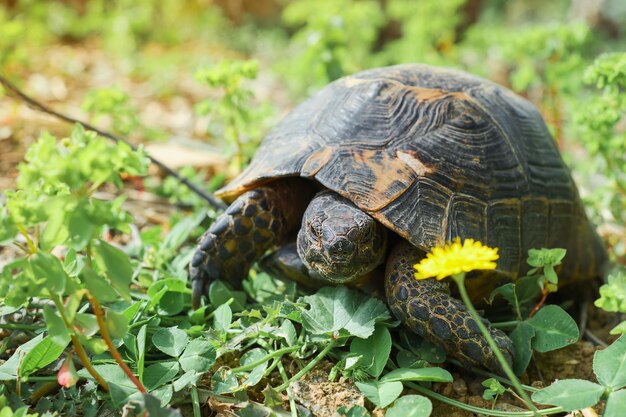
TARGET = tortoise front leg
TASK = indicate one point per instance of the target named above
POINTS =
(256, 221)
(427, 308)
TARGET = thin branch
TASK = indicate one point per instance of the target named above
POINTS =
(34, 104)
(109, 342)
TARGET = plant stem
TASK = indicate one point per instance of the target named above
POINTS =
(544, 295)
(78, 347)
(109, 342)
(195, 402)
(266, 358)
(292, 402)
(31, 246)
(479, 410)
(460, 280)
(308, 367)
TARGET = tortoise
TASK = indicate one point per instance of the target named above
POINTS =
(368, 174)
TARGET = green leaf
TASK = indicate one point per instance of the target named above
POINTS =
(117, 324)
(571, 394)
(55, 232)
(494, 389)
(288, 332)
(98, 286)
(609, 364)
(43, 354)
(408, 359)
(171, 341)
(164, 394)
(155, 408)
(507, 291)
(420, 374)
(8, 228)
(271, 397)
(375, 350)
(116, 265)
(338, 308)
(86, 324)
(49, 267)
(171, 303)
(224, 381)
(160, 373)
(619, 329)
(222, 318)
(251, 356)
(187, 379)
(410, 406)
(545, 257)
(141, 350)
(219, 294)
(199, 356)
(122, 389)
(8, 370)
(615, 404)
(354, 411)
(56, 327)
(613, 294)
(80, 227)
(522, 338)
(379, 392)
(554, 329)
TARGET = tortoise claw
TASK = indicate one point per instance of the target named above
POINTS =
(199, 287)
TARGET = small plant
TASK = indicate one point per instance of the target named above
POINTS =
(602, 131)
(114, 104)
(613, 298)
(429, 32)
(331, 41)
(240, 122)
(577, 394)
(493, 389)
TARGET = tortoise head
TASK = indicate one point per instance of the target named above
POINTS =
(338, 241)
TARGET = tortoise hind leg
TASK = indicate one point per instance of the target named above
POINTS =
(253, 223)
(427, 308)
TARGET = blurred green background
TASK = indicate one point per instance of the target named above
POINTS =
(223, 71)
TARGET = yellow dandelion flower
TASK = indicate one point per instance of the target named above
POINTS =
(456, 257)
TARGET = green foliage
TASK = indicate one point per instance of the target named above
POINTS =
(238, 121)
(331, 41)
(339, 311)
(6, 411)
(410, 406)
(613, 298)
(576, 394)
(429, 31)
(57, 220)
(600, 130)
(114, 104)
(493, 389)
(547, 328)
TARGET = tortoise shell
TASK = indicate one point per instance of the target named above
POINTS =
(433, 154)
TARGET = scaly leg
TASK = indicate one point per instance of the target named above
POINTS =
(427, 308)
(256, 221)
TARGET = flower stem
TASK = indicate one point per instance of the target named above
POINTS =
(460, 280)
(479, 410)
